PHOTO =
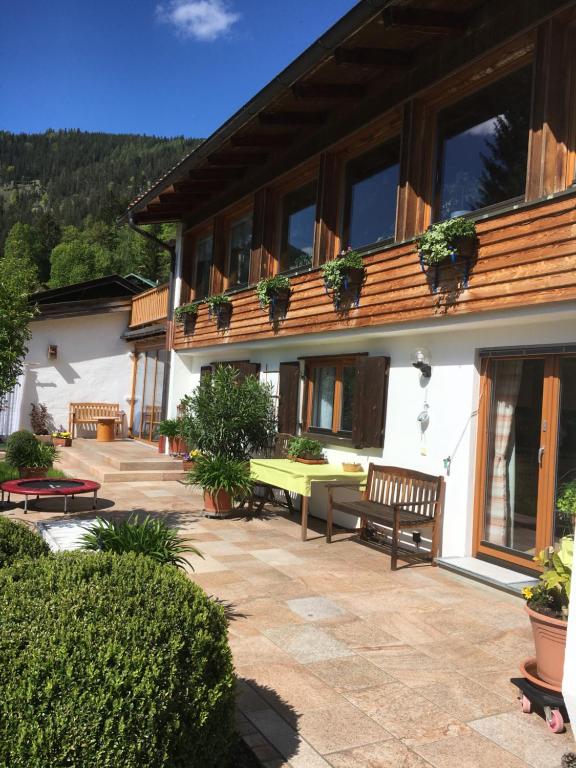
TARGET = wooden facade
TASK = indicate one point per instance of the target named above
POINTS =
(150, 306)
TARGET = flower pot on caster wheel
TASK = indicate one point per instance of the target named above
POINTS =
(550, 643)
(217, 504)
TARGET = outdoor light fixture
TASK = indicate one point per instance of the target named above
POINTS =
(420, 359)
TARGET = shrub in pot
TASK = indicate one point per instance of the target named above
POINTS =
(273, 294)
(30, 457)
(344, 274)
(222, 480)
(171, 429)
(112, 660)
(306, 451)
(547, 605)
(17, 541)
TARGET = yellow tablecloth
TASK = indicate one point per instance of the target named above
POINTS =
(298, 478)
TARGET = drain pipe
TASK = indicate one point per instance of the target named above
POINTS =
(171, 248)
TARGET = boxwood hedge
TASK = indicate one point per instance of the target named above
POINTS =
(111, 661)
(18, 541)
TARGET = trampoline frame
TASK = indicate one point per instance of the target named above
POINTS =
(16, 487)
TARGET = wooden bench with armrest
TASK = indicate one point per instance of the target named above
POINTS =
(395, 497)
(89, 413)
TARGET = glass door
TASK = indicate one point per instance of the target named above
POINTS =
(148, 388)
(527, 448)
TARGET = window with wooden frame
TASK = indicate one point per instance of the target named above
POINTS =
(345, 397)
(203, 253)
(239, 251)
(482, 147)
(371, 190)
(298, 227)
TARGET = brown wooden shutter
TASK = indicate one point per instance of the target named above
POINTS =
(219, 255)
(288, 388)
(370, 395)
(245, 367)
(205, 370)
(187, 268)
(263, 229)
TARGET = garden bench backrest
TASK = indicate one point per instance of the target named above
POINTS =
(396, 485)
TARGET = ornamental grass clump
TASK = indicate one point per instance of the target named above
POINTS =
(17, 541)
(112, 661)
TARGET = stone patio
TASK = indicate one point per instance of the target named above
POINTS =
(341, 662)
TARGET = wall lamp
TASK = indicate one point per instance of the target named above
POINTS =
(420, 359)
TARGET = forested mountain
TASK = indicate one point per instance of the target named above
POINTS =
(62, 191)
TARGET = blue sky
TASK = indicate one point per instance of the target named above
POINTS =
(164, 67)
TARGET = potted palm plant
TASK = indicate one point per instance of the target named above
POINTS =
(222, 479)
(547, 606)
(220, 308)
(273, 294)
(186, 314)
(28, 456)
(344, 275)
(306, 451)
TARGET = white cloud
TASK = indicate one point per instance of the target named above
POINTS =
(486, 128)
(198, 19)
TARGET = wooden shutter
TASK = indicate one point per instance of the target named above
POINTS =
(370, 395)
(245, 367)
(219, 244)
(288, 388)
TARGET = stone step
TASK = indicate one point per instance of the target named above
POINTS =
(128, 477)
(86, 464)
(153, 461)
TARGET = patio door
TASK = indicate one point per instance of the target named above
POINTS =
(526, 453)
(148, 388)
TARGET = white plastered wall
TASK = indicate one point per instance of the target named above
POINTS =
(452, 393)
(93, 364)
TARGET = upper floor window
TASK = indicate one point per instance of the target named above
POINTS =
(371, 191)
(483, 147)
(203, 267)
(239, 254)
(298, 222)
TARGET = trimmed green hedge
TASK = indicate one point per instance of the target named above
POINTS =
(111, 661)
(18, 541)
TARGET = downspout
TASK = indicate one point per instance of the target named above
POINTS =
(171, 248)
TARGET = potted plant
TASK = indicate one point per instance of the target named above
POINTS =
(186, 314)
(40, 421)
(30, 457)
(189, 459)
(344, 274)
(220, 308)
(306, 451)
(222, 479)
(171, 430)
(273, 294)
(547, 606)
(62, 438)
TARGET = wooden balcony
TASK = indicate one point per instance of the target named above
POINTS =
(525, 257)
(150, 307)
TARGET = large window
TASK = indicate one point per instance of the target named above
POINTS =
(371, 191)
(239, 254)
(331, 393)
(298, 222)
(483, 147)
(203, 267)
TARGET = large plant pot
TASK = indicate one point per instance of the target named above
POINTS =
(44, 439)
(217, 504)
(550, 643)
(26, 472)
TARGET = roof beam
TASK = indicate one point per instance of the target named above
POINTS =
(181, 198)
(425, 21)
(374, 57)
(256, 140)
(237, 158)
(292, 118)
(143, 217)
(328, 91)
(200, 186)
(209, 174)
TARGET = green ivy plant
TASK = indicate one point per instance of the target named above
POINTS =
(566, 503)
(267, 287)
(186, 309)
(438, 243)
(215, 302)
(335, 271)
(305, 448)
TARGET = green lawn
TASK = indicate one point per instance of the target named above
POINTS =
(9, 473)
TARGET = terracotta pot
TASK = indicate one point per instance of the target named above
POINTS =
(27, 472)
(188, 466)
(217, 504)
(550, 643)
(44, 438)
(62, 442)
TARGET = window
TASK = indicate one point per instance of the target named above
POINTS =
(203, 267)
(239, 257)
(371, 190)
(332, 395)
(298, 222)
(483, 147)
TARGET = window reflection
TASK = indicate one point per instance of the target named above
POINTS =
(298, 222)
(203, 266)
(483, 146)
(240, 248)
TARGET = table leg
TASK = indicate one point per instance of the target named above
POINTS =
(25, 505)
(95, 502)
(65, 503)
(304, 508)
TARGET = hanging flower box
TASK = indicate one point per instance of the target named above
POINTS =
(274, 295)
(453, 242)
(344, 276)
(186, 315)
(220, 309)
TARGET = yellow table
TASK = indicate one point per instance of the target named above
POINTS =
(298, 478)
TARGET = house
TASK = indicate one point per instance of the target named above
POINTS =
(78, 351)
(400, 116)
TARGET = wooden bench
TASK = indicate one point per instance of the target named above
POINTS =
(395, 497)
(89, 413)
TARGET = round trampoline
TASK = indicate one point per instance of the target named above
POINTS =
(46, 486)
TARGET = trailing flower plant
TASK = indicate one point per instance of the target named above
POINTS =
(551, 596)
(184, 310)
(439, 243)
(268, 287)
(336, 272)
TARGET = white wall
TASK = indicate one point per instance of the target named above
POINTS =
(93, 365)
(451, 393)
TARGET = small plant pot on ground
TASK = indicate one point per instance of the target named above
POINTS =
(62, 442)
(217, 504)
(550, 644)
(45, 439)
(188, 466)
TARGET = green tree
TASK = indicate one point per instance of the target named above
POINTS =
(75, 261)
(16, 312)
(21, 255)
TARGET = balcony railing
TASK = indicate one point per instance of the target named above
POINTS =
(150, 307)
